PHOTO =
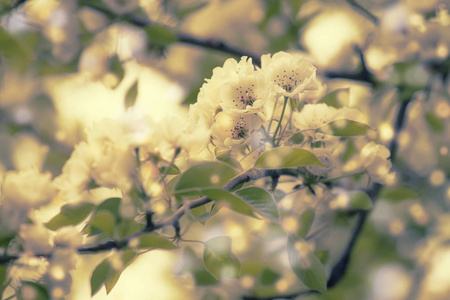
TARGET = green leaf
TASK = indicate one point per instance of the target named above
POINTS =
(224, 198)
(13, 51)
(183, 13)
(350, 150)
(286, 157)
(191, 98)
(398, 193)
(131, 96)
(345, 128)
(112, 205)
(261, 201)
(322, 255)
(160, 35)
(101, 273)
(306, 220)
(193, 264)
(32, 291)
(201, 214)
(306, 266)
(218, 258)
(3, 276)
(297, 138)
(337, 98)
(152, 240)
(71, 214)
(104, 221)
(173, 170)
(269, 277)
(205, 175)
(116, 67)
(434, 122)
(359, 200)
(127, 258)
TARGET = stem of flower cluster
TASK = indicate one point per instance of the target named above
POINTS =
(279, 124)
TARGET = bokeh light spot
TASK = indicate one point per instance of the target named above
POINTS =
(437, 177)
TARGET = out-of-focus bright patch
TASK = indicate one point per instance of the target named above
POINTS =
(331, 33)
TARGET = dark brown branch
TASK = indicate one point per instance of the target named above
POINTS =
(340, 268)
(14, 6)
(355, 5)
(185, 38)
(173, 220)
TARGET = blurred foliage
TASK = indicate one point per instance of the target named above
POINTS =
(401, 57)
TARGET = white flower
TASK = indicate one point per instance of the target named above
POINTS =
(58, 277)
(246, 95)
(36, 238)
(76, 172)
(374, 158)
(231, 130)
(121, 6)
(209, 99)
(179, 130)
(68, 236)
(291, 75)
(23, 191)
(314, 116)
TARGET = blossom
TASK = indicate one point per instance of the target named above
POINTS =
(36, 238)
(374, 158)
(233, 130)
(76, 172)
(178, 130)
(121, 6)
(246, 95)
(107, 155)
(68, 236)
(23, 191)
(314, 116)
(290, 74)
(209, 97)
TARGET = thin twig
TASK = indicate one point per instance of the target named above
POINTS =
(341, 266)
(364, 11)
(185, 38)
(173, 220)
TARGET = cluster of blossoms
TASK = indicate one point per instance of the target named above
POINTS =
(242, 112)
(251, 110)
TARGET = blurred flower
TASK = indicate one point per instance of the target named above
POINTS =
(28, 152)
(36, 238)
(122, 6)
(374, 159)
(76, 172)
(68, 236)
(314, 116)
(21, 192)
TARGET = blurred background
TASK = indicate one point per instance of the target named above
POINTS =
(67, 64)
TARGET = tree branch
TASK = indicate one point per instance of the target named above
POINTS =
(370, 16)
(340, 268)
(173, 220)
(14, 6)
(185, 38)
